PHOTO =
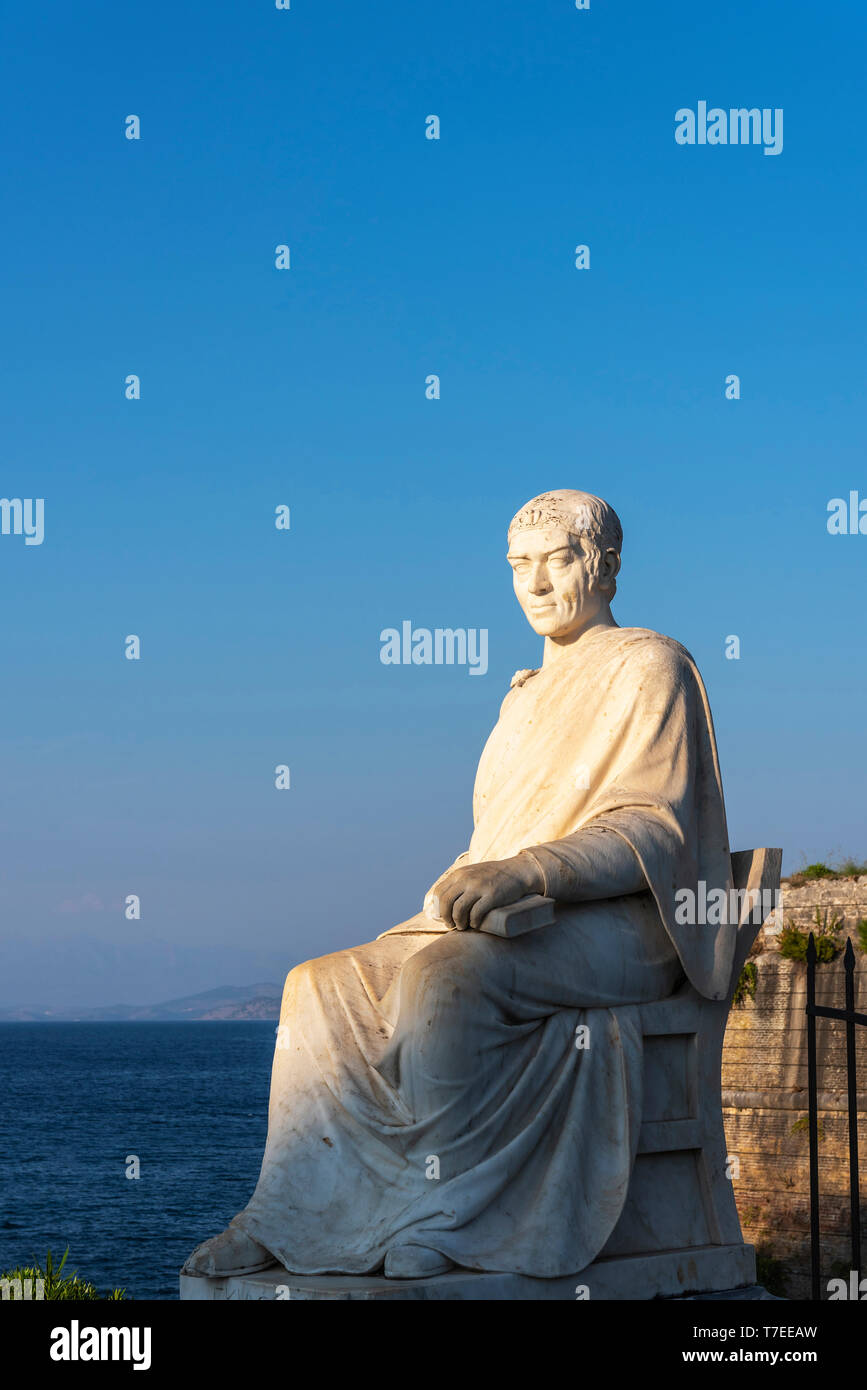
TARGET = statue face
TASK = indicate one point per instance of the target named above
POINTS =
(552, 582)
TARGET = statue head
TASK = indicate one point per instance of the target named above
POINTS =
(564, 550)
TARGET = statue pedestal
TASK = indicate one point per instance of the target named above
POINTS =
(722, 1271)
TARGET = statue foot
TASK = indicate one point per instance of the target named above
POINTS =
(415, 1262)
(232, 1252)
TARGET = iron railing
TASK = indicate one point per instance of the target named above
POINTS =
(850, 1017)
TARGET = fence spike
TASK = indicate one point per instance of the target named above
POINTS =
(849, 955)
(811, 950)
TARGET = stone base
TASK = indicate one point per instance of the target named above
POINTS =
(721, 1271)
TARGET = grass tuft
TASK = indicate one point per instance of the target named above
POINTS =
(58, 1285)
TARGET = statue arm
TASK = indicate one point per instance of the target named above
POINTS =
(593, 863)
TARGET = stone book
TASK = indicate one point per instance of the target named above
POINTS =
(525, 915)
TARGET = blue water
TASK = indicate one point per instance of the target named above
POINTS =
(190, 1099)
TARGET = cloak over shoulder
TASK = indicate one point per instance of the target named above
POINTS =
(617, 735)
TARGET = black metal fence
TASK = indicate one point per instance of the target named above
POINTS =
(849, 1016)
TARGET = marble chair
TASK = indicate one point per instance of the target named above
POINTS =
(679, 1230)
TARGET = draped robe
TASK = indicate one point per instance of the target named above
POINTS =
(482, 1096)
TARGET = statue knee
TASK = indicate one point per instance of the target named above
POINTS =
(446, 974)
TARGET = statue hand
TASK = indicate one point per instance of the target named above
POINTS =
(465, 896)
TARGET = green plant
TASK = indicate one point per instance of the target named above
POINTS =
(58, 1285)
(771, 1272)
(847, 868)
(793, 941)
(746, 985)
(861, 934)
(853, 868)
(819, 870)
(802, 1126)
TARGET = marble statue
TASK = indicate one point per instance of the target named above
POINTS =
(430, 1108)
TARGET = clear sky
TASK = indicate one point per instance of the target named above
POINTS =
(306, 387)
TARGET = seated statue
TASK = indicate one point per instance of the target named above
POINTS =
(443, 1096)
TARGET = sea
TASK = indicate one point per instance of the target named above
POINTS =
(80, 1101)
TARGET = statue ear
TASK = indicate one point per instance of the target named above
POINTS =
(609, 568)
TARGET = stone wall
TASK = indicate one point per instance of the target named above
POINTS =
(764, 1078)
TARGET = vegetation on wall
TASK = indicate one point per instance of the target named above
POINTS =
(746, 985)
(802, 1126)
(771, 1272)
(847, 868)
(826, 933)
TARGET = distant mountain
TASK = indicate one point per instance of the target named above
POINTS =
(68, 976)
(232, 1002)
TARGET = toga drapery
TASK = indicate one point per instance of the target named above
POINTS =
(480, 1096)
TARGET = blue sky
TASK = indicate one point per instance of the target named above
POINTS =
(306, 387)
